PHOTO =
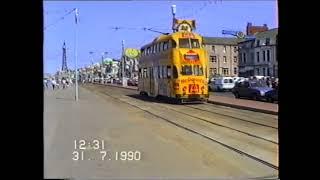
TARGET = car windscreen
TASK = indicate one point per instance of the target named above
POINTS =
(227, 81)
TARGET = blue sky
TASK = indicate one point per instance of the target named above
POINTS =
(97, 18)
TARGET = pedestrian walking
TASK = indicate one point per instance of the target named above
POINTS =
(54, 83)
(45, 84)
(63, 83)
(268, 82)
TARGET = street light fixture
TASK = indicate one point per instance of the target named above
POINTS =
(102, 54)
(91, 53)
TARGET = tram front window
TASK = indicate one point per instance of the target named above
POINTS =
(195, 43)
(184, 43)
(189, 43)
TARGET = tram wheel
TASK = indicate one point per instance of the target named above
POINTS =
(180, 101)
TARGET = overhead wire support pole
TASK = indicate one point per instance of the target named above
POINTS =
(123, 65)
(76, 56)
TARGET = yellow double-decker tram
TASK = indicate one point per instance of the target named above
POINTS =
(174, 66)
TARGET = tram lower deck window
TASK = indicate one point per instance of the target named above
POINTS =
(175, 72)
(196, 70)
(186, 70)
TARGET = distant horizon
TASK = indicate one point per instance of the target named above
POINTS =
(97, 20)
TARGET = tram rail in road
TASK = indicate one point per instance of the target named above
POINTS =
(254, 156)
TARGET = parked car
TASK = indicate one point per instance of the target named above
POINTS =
(272, 95)
(251, 89)
(222, 84)
(132, 82)
(108, 80)
(96, 79)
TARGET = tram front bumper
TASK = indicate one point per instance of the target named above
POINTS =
(193, 97)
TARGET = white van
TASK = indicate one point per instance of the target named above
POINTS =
(222, 84)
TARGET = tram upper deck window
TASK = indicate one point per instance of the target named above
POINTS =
(173, 43)
(186, 70)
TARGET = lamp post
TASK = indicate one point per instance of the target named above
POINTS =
(124, 80)
(91, 53)
(102, 55)
(173, 10)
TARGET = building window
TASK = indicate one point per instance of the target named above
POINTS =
(214, 70)
(234, 49)
(258, 57)
(268, 72)
(258, 71)
(264, 55)
(235, 59)
(213, 48)
(252, 57)
(235, 71)
(213, 59)
(224, 59)
(244, 57)
(240, 57)
(225, 71)
(224, 49)
(264, 71)
(211, 71)
(258, 43)
(268, 41)
(252, 44)
(268, 55)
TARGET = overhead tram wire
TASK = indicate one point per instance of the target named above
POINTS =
(116, 28)
(55, 12)
(194, 13)
(60, 19)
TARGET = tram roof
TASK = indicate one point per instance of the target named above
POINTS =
(164, 37)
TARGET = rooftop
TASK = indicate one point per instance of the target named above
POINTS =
(221, 40)
(270, 33)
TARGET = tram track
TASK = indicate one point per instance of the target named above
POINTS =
(199, 132)
(230, 116)
(217, 124)
(226, 114)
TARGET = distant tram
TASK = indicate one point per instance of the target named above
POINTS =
(174, 66)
